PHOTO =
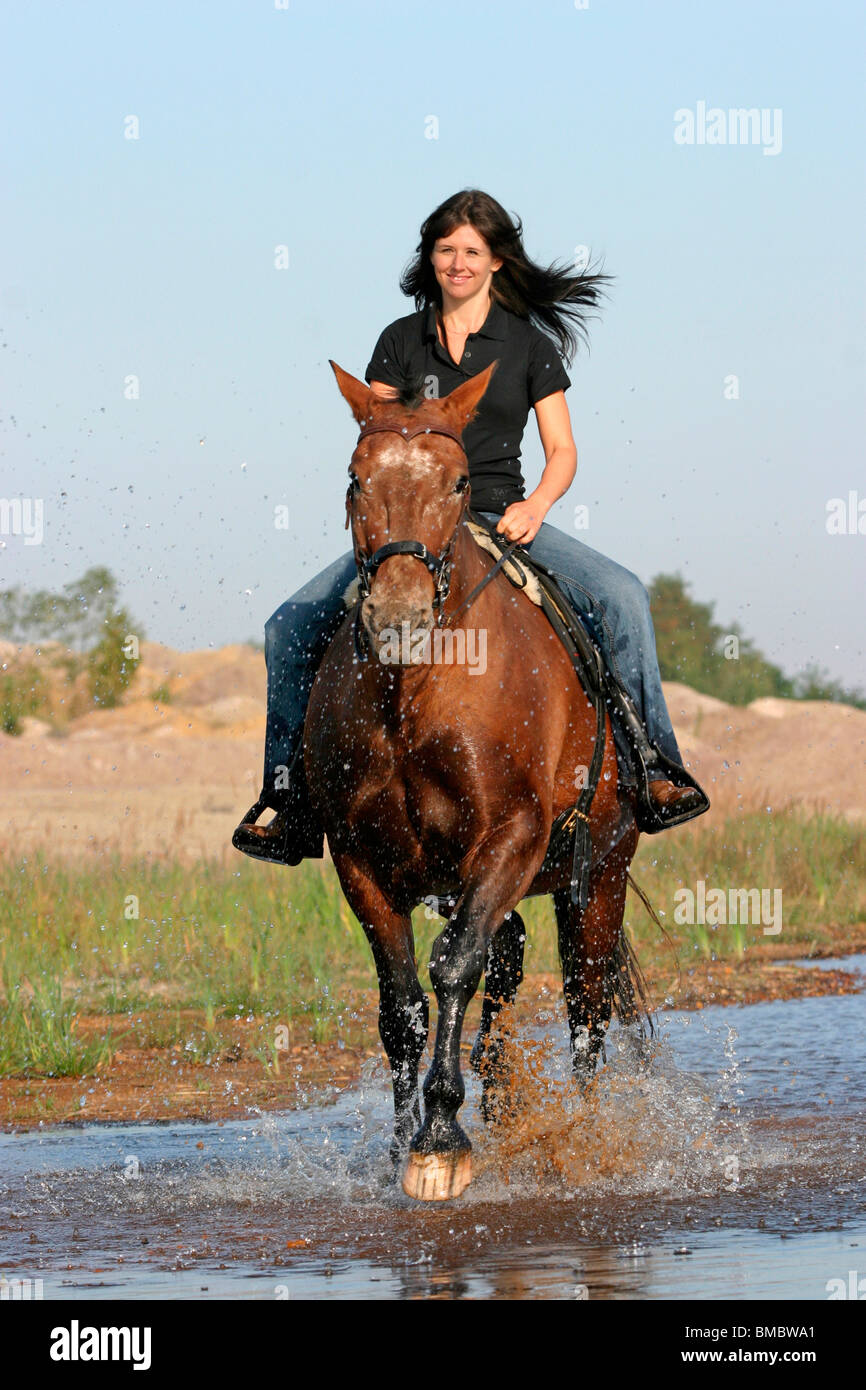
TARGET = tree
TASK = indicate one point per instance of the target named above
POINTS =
(74, 617)
(693, 648)
(109, 671)
(87, 620)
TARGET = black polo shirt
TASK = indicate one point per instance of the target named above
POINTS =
(529, 369)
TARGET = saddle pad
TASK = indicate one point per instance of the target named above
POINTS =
(520, 577)
(352, 592)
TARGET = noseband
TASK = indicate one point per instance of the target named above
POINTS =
(439, 565)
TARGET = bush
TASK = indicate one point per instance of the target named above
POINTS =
(23, 691)
(109, 671)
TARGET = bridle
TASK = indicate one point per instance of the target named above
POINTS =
(439, 565)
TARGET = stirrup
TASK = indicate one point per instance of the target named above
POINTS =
(650, 763)
(650, 817)
(305, 839)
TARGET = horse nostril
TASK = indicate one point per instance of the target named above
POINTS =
(420, 620)
(398, 629)
(370, 617)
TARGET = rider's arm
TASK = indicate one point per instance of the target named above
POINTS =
(554, 427)
(522, 519)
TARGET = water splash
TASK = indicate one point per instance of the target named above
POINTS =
(642, 1126)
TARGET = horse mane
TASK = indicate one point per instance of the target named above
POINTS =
(410, 390)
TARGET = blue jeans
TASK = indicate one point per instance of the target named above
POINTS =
(612, 602)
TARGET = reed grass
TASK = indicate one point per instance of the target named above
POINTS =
(124, 938)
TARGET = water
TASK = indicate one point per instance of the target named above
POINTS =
(733, 1168)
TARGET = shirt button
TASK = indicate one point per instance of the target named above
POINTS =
(468, 352)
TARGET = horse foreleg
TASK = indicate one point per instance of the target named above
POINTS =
(502, 978)
(589, 950)
(403, 1004)
(501, 870)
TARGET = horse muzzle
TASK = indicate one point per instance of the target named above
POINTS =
(399, 634)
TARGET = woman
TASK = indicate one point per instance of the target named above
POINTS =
(478, 298)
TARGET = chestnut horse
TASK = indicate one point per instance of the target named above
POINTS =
(437, 779)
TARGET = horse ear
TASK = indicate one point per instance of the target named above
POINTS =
(357, 393)
(461, 404)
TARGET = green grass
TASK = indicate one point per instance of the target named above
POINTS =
(38, 1036)
(818, 862)
(281, 944)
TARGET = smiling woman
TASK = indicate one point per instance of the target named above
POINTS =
(529, 374)
(480, 300)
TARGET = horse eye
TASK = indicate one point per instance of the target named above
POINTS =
(354, 483)
(461, 485)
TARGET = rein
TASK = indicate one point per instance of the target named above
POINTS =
(439, 565)
(491, 574)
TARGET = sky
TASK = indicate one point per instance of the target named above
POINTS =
(165, 381)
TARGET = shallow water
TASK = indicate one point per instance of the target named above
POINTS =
(732, 1167)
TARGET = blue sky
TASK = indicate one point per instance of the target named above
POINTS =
(304, 126)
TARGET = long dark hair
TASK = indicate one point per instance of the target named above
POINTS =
(555, 298)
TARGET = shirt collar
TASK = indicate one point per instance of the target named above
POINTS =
(494, 326)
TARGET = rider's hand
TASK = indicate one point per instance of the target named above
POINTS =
(522, 520)
(384, 391)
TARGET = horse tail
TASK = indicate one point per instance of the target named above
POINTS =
(627, 988)
(655, 917)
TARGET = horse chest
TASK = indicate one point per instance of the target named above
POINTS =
(403, 806)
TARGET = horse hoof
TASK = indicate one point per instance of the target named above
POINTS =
(437, 1177)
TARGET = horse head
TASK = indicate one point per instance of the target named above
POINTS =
(408, 492)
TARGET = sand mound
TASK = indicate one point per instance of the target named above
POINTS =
(197, 678)
(175, 765)
(774, 752)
